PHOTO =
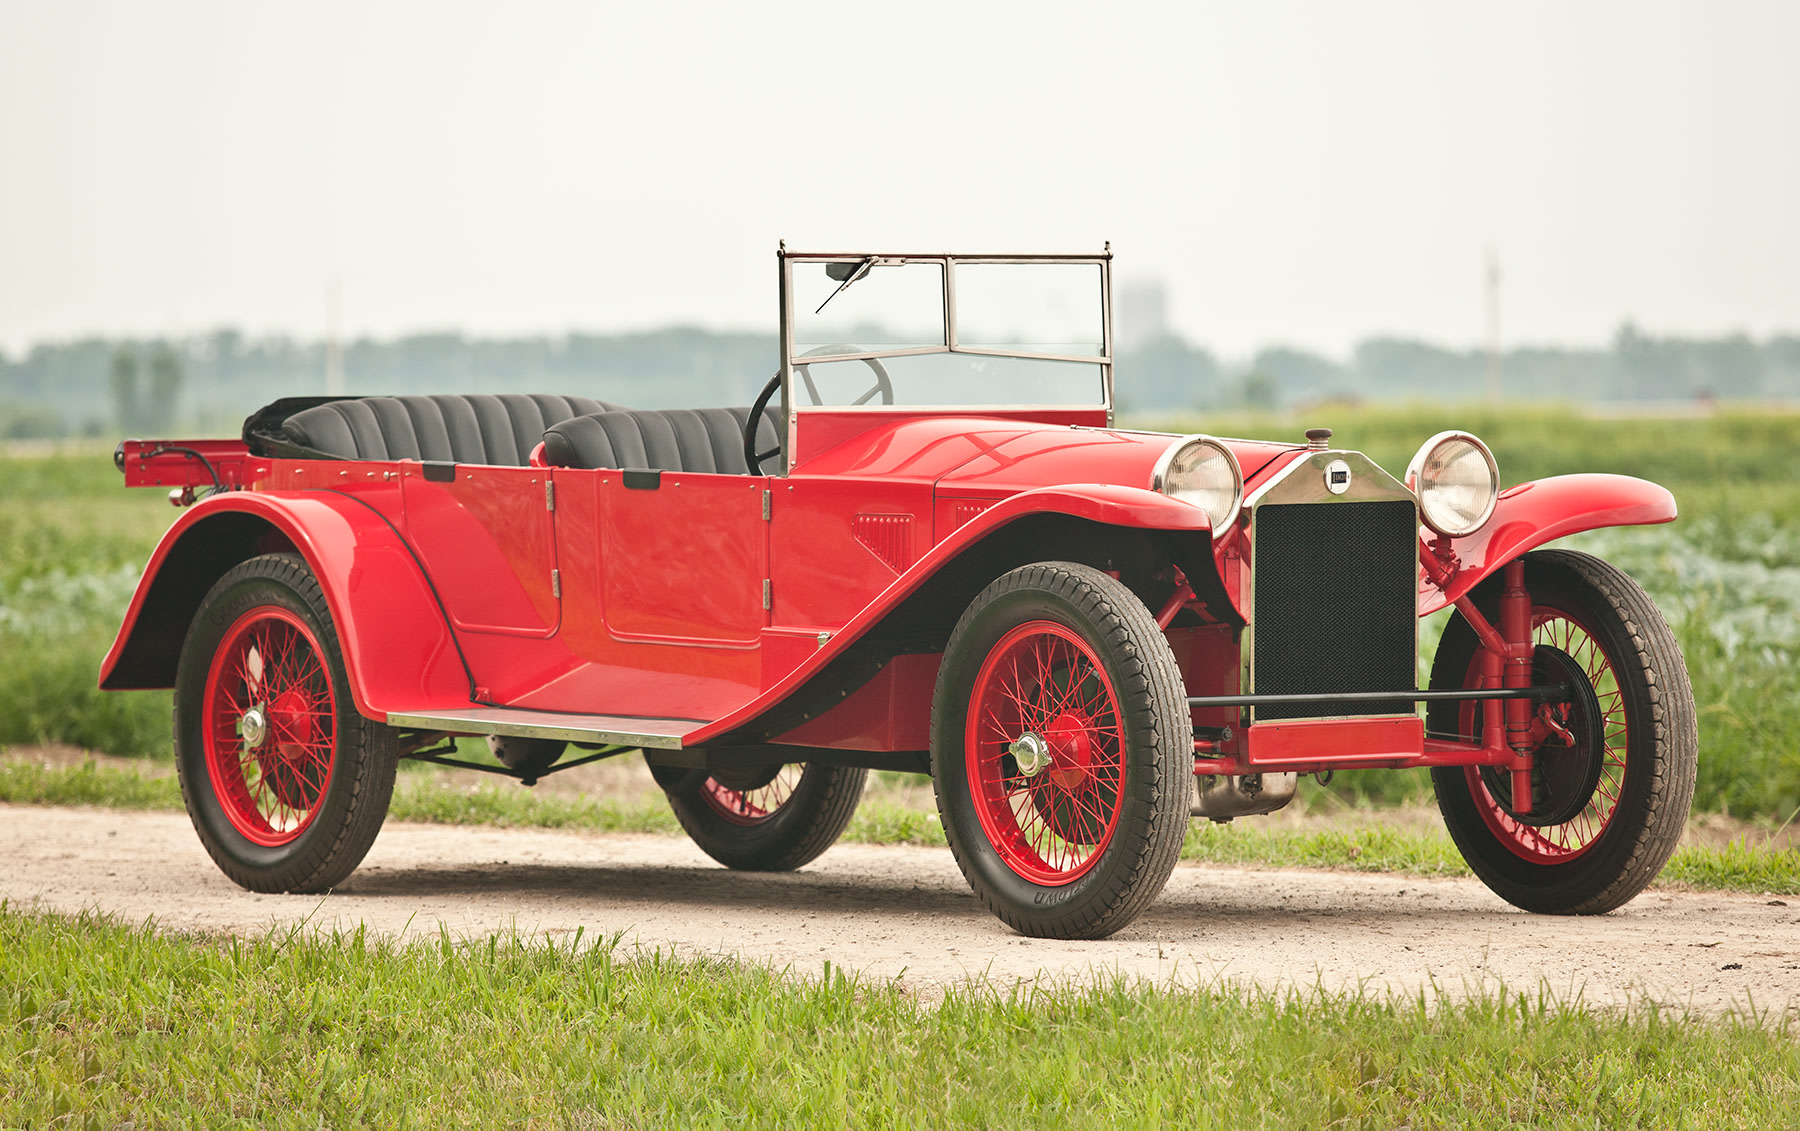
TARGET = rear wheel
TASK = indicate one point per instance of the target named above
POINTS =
(764, 818)
(1062, 751)
(1609, 795)
(286, 783)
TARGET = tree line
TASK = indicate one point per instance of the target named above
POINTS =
(209, 383)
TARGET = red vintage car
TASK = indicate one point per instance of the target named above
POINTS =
(926, 548)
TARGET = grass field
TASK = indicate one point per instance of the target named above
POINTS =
(103, 1025)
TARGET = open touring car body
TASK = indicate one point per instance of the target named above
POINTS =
(572, 570)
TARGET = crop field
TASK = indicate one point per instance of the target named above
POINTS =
(1727, 575)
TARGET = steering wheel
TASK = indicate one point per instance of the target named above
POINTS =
(751, 456)
(882, 385)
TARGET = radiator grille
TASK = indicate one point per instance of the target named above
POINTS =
(1336, 590)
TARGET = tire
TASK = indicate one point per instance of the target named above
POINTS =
(1607, 810)
(764, 820)
(1069, 655)
(297, 811)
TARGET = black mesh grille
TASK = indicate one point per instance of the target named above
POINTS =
(1335, 604)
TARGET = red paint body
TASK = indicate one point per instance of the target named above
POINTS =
(700, 600)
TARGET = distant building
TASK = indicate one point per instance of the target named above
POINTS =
(1142, 314)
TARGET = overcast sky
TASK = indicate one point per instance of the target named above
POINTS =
(1308, 174)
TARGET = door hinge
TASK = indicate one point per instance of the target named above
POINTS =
(549, 495)
(556, 583)
(768, 505)
(768, 594)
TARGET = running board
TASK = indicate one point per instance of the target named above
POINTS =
(609, 730)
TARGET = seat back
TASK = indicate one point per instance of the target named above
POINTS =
(674, 439)
(454, 428)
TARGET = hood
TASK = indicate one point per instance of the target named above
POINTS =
(1050, 456)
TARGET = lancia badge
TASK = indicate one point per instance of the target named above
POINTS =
(1337, 477)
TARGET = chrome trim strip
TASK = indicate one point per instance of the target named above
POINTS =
(919, 351)
(612, 730)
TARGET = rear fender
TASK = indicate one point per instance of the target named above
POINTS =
(1543, 510)
(1127, 528)
(398, 653)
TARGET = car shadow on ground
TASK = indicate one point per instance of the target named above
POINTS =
(669, 885)
(1193, 905)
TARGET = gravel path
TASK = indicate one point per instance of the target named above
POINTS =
(905, 912)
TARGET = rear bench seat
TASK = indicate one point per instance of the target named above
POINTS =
(671, 439)
(458, 429)
(576, 432)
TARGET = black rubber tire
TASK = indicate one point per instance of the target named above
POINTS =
(1661, 753)
(808, 822)
(1159, 751)
(363, 762)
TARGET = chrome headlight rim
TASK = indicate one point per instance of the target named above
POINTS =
(1159, 477)
(1415, 469)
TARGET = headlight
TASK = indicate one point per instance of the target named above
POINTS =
(1202, 471)
(1457, 481)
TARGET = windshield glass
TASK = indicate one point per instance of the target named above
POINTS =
(920, 331)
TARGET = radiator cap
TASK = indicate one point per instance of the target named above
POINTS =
(1318, 439)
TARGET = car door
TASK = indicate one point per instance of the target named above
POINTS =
(683, 557)
(485, 537)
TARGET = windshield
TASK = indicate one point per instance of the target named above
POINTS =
(874, 331)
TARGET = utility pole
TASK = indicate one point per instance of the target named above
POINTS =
(1493, 326)
(334, 350)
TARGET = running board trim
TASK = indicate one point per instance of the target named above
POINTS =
(611, 730)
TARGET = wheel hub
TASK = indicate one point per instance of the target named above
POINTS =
(1031, 752)
(253, 727)
(1568, 761)
(1070, 750)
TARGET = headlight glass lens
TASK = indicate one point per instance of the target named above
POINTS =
(1457, 482)
(1204, 472)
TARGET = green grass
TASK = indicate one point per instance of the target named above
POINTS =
(1739, 866)
(102, 1024)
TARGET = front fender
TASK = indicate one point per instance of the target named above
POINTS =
(398, 652)
(1105, 503)
(1543, 510)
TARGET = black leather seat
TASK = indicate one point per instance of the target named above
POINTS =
(460, 429)
(674, 439)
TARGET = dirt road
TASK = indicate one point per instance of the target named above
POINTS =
(905, 912)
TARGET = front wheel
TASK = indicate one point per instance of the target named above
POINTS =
(764, 818)
(1062, 751)
(285, 781)
(1609, 796)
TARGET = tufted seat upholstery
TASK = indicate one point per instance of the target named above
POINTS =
(675, 439)
(460, 429)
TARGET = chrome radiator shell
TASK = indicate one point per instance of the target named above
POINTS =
(1334, 574)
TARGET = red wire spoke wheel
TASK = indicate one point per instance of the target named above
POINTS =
(1575, 784)
(1043, 686)
(753, 799)
(1614, 775)
(761, 817)
(271, 725)
(285, 781)
(1062, 751)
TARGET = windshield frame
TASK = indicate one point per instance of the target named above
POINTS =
(948, 262)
